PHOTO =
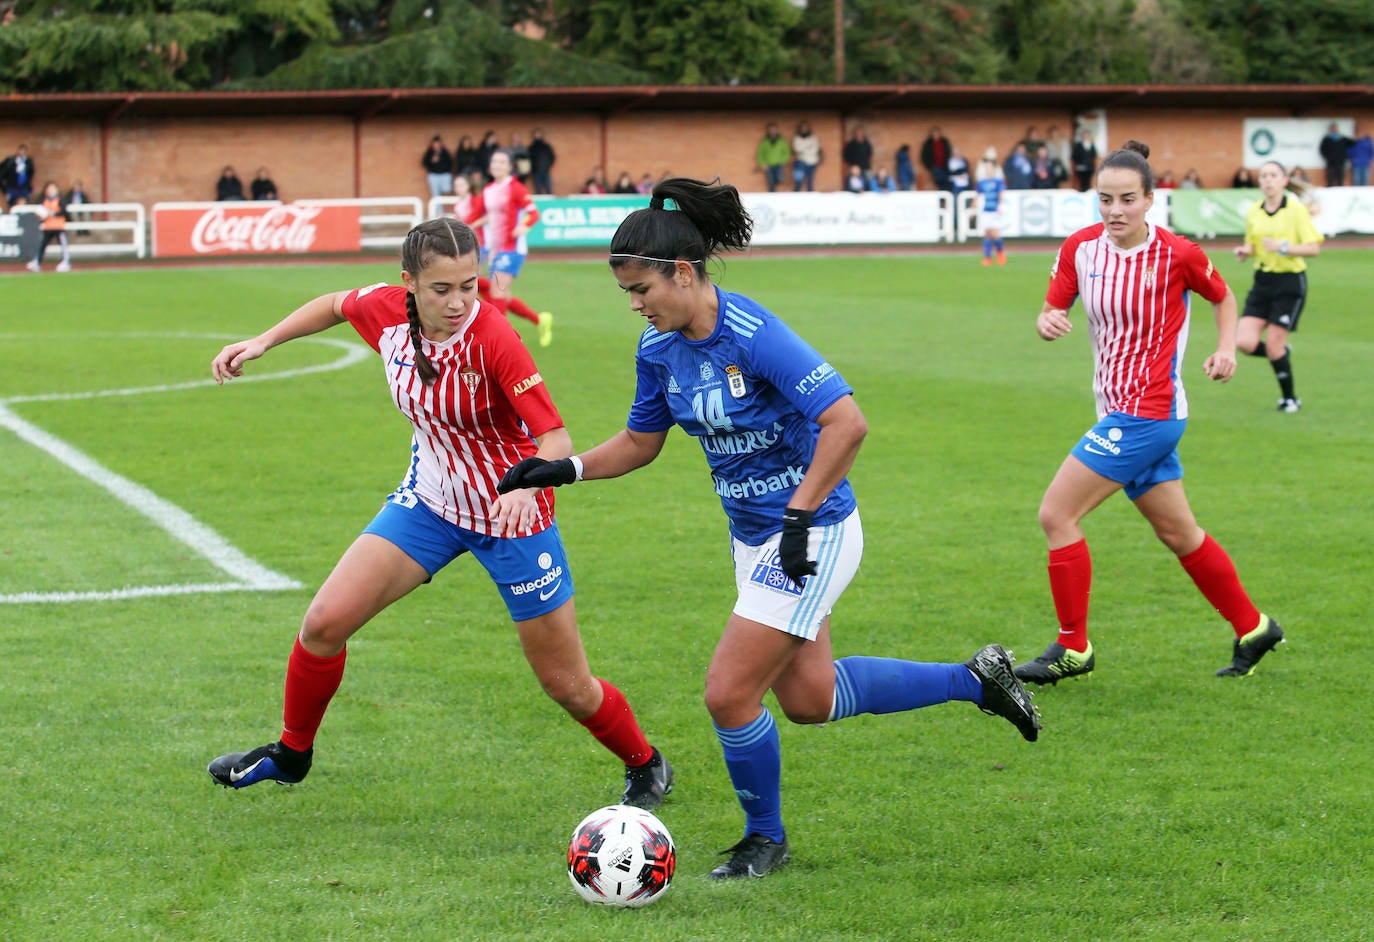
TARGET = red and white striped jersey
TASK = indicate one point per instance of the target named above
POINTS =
(1137, 302)
(478, 418)
(503, 203)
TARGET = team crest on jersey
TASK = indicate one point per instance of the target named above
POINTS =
(734, 377)
(707, 372)
(1149, 278)
(471, 379)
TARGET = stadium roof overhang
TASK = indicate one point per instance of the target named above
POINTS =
(1296, 100)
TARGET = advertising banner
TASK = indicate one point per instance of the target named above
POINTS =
(248, 228)
(18, 236)
(580, 221)
(1205, 214)
(1293, 142)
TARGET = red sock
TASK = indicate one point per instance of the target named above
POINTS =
(1071, 580)
(1215, 576)
(523, 310)
(615, 727)
(310, 685)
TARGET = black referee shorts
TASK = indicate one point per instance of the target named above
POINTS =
(1277, 297)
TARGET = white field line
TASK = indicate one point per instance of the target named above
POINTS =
(249, 575)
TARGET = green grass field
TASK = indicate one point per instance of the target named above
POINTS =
(1160, 803)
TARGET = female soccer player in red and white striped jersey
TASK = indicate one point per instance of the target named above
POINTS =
(1135, 280)
(462, 376)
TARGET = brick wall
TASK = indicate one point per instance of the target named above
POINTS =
(150, 160)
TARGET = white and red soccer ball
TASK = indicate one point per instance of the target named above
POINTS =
(621, 856)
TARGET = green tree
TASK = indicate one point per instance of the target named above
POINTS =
(59, 46)
(684, 42)
(438, 44)
(1297, 41)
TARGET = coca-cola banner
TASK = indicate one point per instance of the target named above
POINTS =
(246, 228)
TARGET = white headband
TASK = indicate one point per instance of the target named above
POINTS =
(650, 258)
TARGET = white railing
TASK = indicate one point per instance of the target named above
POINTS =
(381, 230)
(117, 228)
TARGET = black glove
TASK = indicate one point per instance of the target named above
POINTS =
(536, 472)
(792, 549)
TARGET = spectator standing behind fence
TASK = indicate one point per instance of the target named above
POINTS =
(935, 154)
(856, 182)
(806, 157)
(1243, 179)
(1335, 151)
(1045, 173)
(53, 212)
(465, 162)
(906, 169)
(490, 144)
(16, 176)
(625, 183)
(542, 159)
(1061, 148)
(858, 152)
(596, 184)
(438, 164)
(959, 179)
(228, 186)
(1361, 154)
(76, 195)
(773, 156)
(882, 182)
(262, 187)
(1084, 160)
(1017, 168)
(520, 159)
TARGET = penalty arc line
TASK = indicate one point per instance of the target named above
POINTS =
(181, 526)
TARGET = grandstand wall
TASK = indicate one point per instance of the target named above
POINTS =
(150, 157)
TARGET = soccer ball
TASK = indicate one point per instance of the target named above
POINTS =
(621, 856)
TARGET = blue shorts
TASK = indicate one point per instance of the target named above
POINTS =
(531, 571)
(1134, 452)
(507, 263)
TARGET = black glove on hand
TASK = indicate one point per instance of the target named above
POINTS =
(795, 524)
(536, 472)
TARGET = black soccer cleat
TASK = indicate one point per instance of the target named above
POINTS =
(270, 763)
(647, 784)
(1055, 664)
(754, 856)
(1003, 694)
(1249, 649)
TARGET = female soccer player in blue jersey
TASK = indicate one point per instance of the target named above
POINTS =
(780, 430)
(460, 374)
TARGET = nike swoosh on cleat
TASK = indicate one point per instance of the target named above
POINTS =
(236, 776)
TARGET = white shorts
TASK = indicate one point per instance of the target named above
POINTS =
(992, 220)
(769, 597)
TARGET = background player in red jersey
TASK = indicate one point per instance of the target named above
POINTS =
(503, 213)
(1133, 279)
(467, 383)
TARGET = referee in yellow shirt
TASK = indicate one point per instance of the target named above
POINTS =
(1280, 235)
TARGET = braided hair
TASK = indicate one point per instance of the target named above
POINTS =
(709, 217)
(432, 238)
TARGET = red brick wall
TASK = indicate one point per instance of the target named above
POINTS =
(150, 160)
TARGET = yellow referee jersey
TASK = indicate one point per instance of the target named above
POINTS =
(1291, 222)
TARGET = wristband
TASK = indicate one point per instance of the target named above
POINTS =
(577, 467)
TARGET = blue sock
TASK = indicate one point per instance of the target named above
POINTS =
(888, 685)
(998, 244)
(987, 248)
(753, 756)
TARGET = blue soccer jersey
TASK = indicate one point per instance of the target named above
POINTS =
(991, 189)
(750, 394)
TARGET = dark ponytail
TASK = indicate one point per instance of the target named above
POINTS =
(707, 218)
(432, 238)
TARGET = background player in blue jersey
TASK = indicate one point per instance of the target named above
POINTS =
(991, 185)
(780, 430)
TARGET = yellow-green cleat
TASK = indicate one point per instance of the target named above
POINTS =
(1055, 664)
(1249, 649)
